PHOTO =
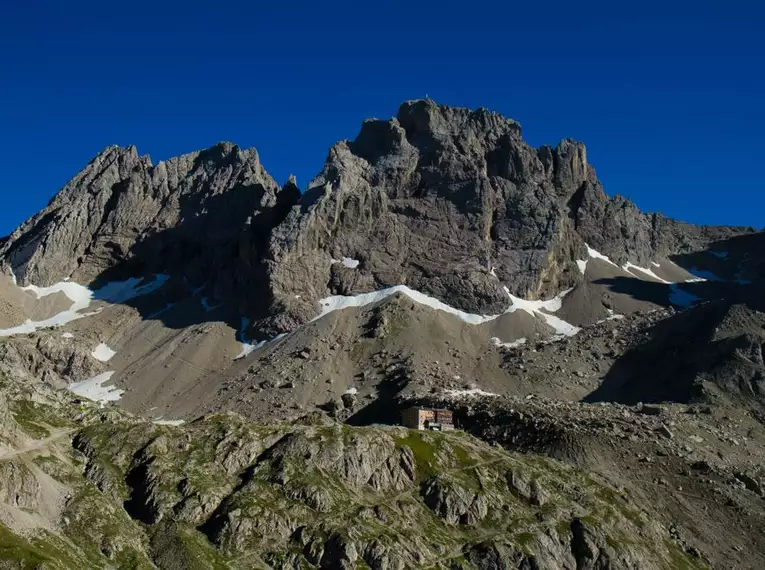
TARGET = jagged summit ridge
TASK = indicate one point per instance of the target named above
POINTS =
(436, 260)
(454, 203)
(191, 214)
(448, 201)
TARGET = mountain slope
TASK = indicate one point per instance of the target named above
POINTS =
(454, 203)
(203, 217)
(225, 493)
(608, 364)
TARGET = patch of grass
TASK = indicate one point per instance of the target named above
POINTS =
(613, 542)
(97, 526)
(43, 551)
(679, 560)
(424, 453)
(563, 527)
(524, 539)
(28, 411)
(463, 456)
(29, 419)
(591, 520)
(613, 499)
(176, 545)
(13, 548)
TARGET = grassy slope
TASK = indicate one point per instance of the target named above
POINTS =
(195, 482)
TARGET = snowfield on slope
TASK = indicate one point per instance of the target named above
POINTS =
(94, 389)
(514, 344)
(467, 393)
(536, 308)
(629, 267)
(82, 297)
(103, 353)
(348, 262)
(682, 299)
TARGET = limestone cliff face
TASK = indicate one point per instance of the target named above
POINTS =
(204, 214)
(449, 201)
(453, 202)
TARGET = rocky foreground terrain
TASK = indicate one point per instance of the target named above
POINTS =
(104, 489)
(201, 368)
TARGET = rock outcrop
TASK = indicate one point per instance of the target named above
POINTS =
(204, 216)
(661, 469)
(453, 202)
(224, 492)
(449, 201)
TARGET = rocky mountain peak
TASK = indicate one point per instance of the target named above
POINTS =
(448, 201)
(120, 201)
(425, 118)
(453, 202)
(437, 261)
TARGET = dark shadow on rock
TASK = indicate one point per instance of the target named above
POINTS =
(386, 407)
(216, 250)
(651, 291)
(664, 294)
(709, 353)
(731, 259)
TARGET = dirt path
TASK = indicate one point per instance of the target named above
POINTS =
(37, 444)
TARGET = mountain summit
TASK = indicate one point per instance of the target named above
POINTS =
(451, 202)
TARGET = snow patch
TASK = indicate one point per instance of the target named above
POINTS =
(348, 262)
(123, 291)
(628, 267)
(702, 275)
(492, 272)
(611, 317)
(103, 353)
(582, 265)
(597, 255)
(67, 335)
(247, 346)
(338, 302)
(351, 391)
(82, 297)
(537, 308)
(207, 306)
(514, 344)
(94, 389)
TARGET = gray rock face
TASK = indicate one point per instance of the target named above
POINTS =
(454, 203)
(449, 201)
(617, 228)
(50, 359)
(202, 214)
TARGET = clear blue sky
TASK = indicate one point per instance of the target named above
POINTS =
(668, 96)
